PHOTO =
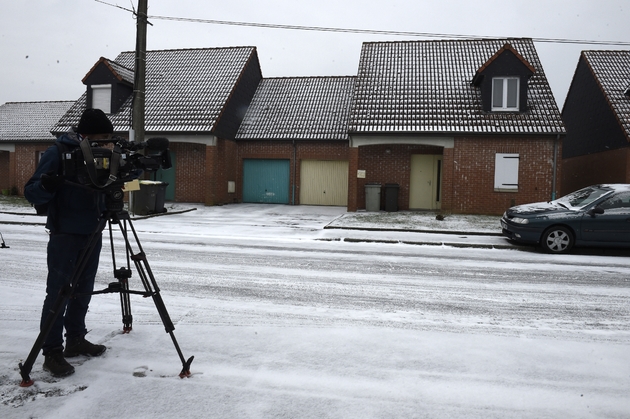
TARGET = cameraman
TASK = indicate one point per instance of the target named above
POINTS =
(73, 216)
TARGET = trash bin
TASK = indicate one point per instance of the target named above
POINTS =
(373, 197)
(391, 197)
(150, 198)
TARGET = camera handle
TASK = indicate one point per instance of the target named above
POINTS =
(114, 163)
(113, 215)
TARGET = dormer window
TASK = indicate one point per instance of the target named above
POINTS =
(505, 93)
(503, 80)
(109, 86)
(102, 97)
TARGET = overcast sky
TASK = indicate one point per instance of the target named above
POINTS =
(49, 45)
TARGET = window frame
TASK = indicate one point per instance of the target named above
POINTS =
(505, 94)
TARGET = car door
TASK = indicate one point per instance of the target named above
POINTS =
(613, 226)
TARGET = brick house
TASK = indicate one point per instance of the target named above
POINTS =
(467, 126)
(597, 116)
(194, 97)
(293, 142)
(24, 135)
(463, 126)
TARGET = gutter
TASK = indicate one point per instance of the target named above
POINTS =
(555, 167)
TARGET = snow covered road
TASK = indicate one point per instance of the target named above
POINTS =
(287, 320)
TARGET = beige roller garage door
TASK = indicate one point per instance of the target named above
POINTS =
(324, 182)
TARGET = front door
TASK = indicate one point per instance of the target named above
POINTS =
(425, 181)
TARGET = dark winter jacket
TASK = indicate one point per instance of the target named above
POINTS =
(71, 209)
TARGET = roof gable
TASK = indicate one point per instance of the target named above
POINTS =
(425, 87)
(300, 108)
(611, 70)
(30, 121)
(186, 90)
(120, 73)
(505, 50)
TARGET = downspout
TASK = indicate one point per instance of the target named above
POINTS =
(294, 173)
(555, 166)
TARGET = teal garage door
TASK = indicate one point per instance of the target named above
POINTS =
(266, 181)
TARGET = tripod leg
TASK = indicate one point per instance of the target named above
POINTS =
(122, 275)
(125, 304)
(151, 287)
(62, 298)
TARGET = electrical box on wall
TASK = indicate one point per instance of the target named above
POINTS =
(231, 186)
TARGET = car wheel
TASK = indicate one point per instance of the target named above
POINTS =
(557, 240)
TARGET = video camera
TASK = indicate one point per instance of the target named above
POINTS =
(101, 167)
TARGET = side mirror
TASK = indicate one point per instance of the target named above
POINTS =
(595, 211)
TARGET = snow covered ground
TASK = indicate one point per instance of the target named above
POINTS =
(290, 316)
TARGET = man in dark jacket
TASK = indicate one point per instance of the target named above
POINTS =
(74, 214)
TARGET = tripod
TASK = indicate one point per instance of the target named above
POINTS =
(114, 214)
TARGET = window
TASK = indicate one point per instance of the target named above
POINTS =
(621, 200)
(505, 92)
(102, 97)
(506, 172)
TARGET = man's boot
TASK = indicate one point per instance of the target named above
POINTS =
(57, 365)
(79, 346)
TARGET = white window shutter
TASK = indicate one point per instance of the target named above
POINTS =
(102, 97)
(506, 171)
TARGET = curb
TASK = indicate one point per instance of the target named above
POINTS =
(438, 243)
(401, 230)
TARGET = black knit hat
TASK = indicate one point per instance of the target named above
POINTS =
(94, 121)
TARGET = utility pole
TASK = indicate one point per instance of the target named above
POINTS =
(137, 117)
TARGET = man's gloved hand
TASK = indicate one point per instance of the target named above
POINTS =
(51, 182)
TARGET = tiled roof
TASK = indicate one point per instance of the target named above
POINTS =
(300, 108)
(186, 90)
(30, 121)
(612, 71)
(425, 87)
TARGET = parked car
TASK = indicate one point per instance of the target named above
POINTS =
(596, 216)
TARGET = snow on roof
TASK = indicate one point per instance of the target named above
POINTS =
(425, 87)
(306, 108)
(30, 121)
(186, 90)
(612, 71)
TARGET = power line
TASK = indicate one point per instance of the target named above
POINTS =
(369, 31)
(381, 32)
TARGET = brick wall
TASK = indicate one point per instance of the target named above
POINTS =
(472, 173)
(608, 167)
(203, 172)
(226, 170)
(190, 171)
(26, 159)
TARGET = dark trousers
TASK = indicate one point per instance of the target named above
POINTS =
(64, 251)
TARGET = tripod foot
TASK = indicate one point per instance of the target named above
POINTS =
(28, 383)
(26, 379)
(186, 370)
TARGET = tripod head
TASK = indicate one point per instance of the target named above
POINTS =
(114, 196)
